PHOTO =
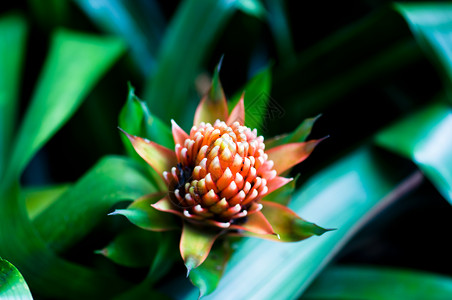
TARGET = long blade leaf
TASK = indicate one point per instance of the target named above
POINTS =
(75, 63)
(424, 137)
(12, 45)
(139, 23)
(79, 209)
(377, 283)
(39, 265)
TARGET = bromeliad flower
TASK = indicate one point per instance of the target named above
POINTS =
(218, 177)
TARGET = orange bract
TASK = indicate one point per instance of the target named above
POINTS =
(222, 173)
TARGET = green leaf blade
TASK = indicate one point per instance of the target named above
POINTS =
(140, 24)
(12, 47)
(297, 136)
(288, 226)
(38, 199)
(195, 244)
(141, 214)
(207, 276)
(47, 268)
(79, 209)
(424, 137)
(133, 248)
(75, 63)
(171, 82)
(378, 283)
(431, 24)
(12, 284)
(136, 119)
(257, 98)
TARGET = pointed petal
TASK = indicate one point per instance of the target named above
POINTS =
(276, 183)
(179, 134)
(158, 157)
(287, 224)
(213, 105)
(238, 112)
(195, 244)
(165, 205)
(257, 224)
(281, 195)
(286, 156)
(144, 216)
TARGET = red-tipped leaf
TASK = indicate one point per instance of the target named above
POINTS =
(289, 155)
(256, 223)
(158, 157)
(282, 195)
(179, 134)
(165, 205)
(277, 182)
(287, 224)
(238, 112)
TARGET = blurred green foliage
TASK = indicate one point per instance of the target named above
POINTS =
(379, 73)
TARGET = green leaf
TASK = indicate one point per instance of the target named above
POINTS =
(37, 199)
(287, 225)
(21, 245)
(132, 248)
(12, 284)
(187, 43)
(136, 119)
(431, 24)
(165, 257)
(377, 283)
(258, 104)
(79, 209)
(141, 248)
(298, 135)
(342, 196)
(207, 276)
(144, 216)
(140, 24)
(424, 137)
(74, 64)
(12, 45)
(195, 244)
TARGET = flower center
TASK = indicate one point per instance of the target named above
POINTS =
(222, 172)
